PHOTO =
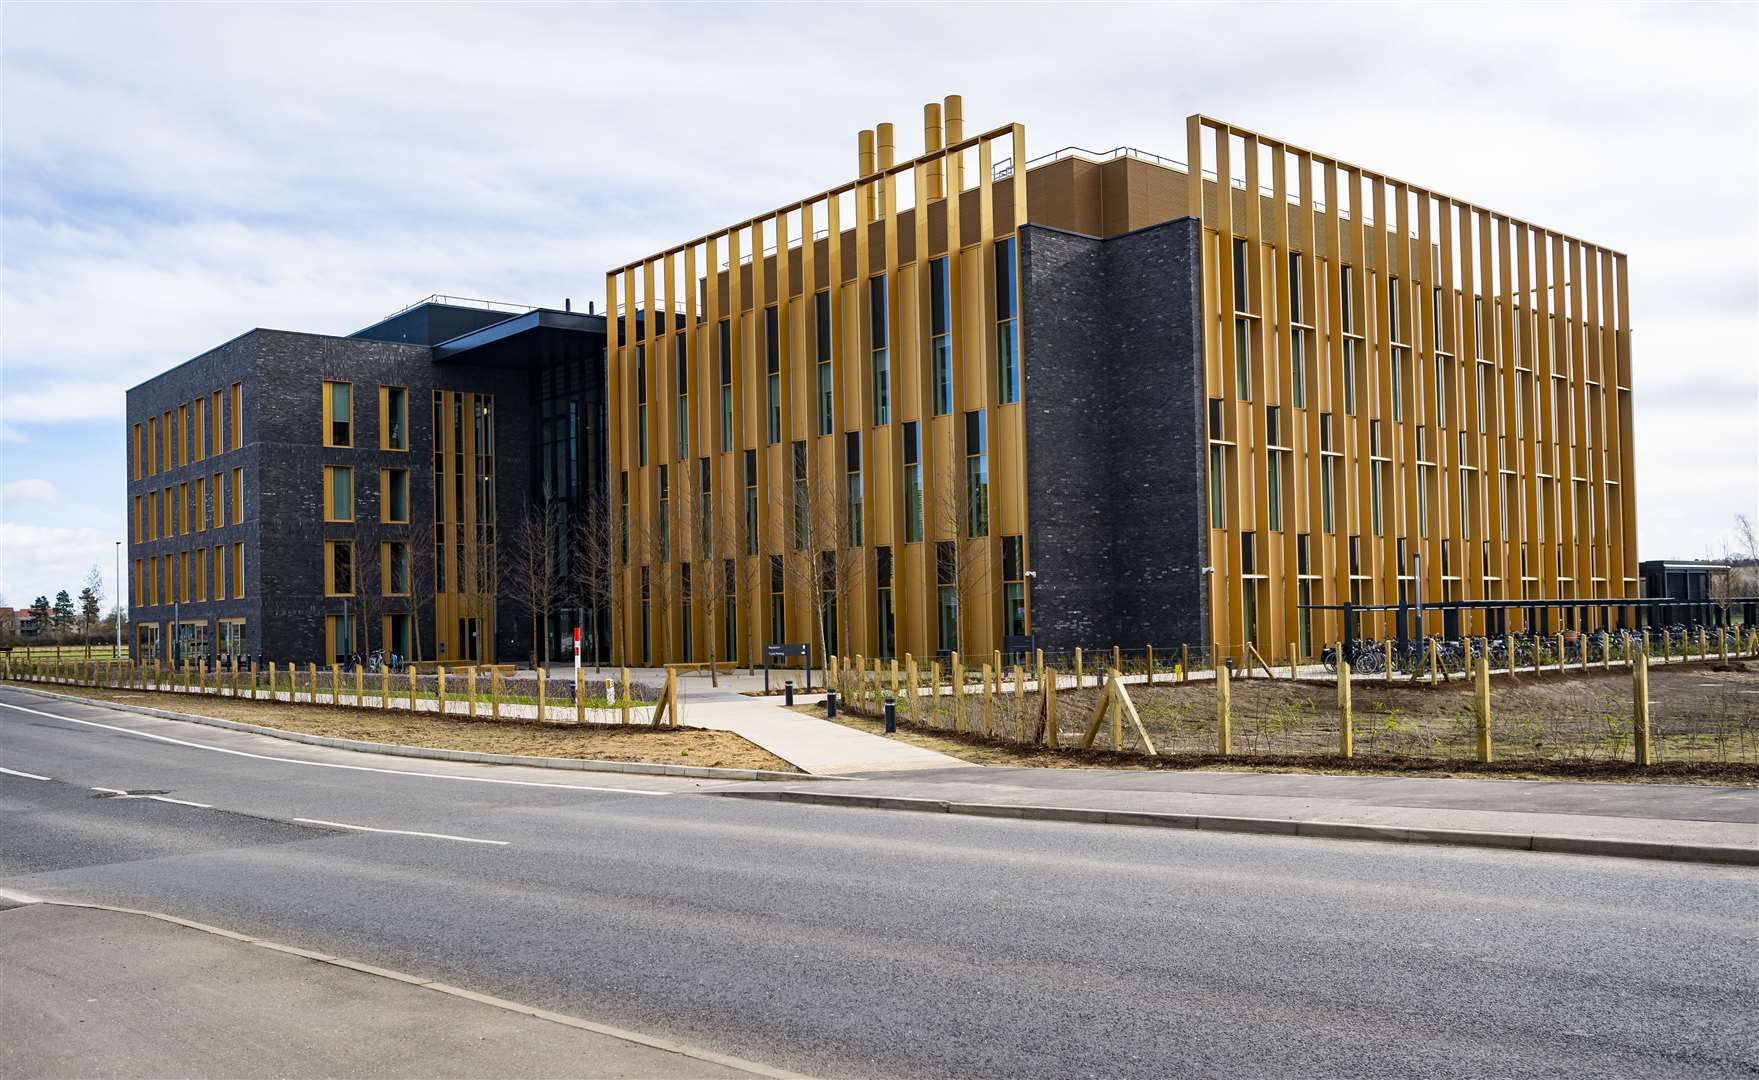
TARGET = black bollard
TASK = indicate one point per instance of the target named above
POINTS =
(788, 693)
(830, 705)
(891, 716)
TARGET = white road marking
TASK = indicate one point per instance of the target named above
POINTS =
(400, 832)
(121, 794)
(26, 775)
(332, 764)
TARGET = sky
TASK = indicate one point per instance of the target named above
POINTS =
(171, 176)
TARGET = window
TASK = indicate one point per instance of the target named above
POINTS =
(394, 568)
(681, 359)
(726, 342)
(1218, 472)
(1243, 359)
(802, 525)
(730, 609)
(751, 502)
(665, 517)
(238, 570)
(219, 504)
(773, 370)
(182, 447)
(912, 483)
(778, 603)
(976, 474)
(135, 461)
(1013, 586)
(885, 617)
(135, 521)
(200, 431)
(201, 503)
(1398, 384)
(1007, 324)
(338, 414)
(852, 452)
(882, 364)
(1242, 289)
(217, 425)
(393, 418)
(623, 517)
(394, 496)
(1274, 489)
(705, 511)
(182, 509)
(237, 496)
(1295, 288)
(338, 568)
(220, 561)
(1298, 368)
(826, 379)
(641, 404)
(947, 594)
(199, 572)
(338, 493)
(940, 327)
(1350, 351)
(237, 415)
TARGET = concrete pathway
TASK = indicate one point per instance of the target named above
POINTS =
(1646, 814)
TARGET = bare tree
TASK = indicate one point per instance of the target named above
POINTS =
(961, 555)
(650, 551)
(592, 563)
(420, 537)
(91, 606)
(531, 559)
(825, 560)
(1740, 574)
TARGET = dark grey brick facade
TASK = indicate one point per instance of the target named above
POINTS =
(1112, 338)
(283, 457)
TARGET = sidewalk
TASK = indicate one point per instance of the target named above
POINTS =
(101, 993)
(1715, 824)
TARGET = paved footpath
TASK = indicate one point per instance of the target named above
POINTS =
(1653, 820)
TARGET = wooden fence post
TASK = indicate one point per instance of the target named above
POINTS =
(1077, 667)
(934, 692)
(540, 692)
(253, 680)
(312, 679)
(956, 672)
(1224, 712)
(1150, 654)
(623, 702)
(1434, 661)
(1346, 708)
(274, 694)
(412, 687)
(470, 688)
(1117, 659)
(1386, 648)
(579, 695)
(989, 701)
(440, 699)
(1047, 692)
(1038, 667)
(1481, 707)
(385, 687)
(359, 686)
(495, 692)
(910, 683)
(671, 698)
(1295, 663)
(1020, 703)
(1640, 744)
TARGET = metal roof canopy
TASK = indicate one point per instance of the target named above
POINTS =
(530, 340)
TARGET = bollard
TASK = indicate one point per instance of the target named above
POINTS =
(788, 693)
(891, 715)
(831, 704)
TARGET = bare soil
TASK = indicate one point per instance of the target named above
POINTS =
(664, 746)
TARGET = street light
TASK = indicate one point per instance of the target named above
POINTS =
(116, 606)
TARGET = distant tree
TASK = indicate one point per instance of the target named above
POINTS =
(531, 564)
(590, 565)
(91, 606)
(41, 613)
(64, 613)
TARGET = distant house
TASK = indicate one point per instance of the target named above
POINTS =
(9, 619)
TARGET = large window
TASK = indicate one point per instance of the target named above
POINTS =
(912, 482)
(338, 568)
(338, 493)
(641, 404)
(852, 451)
(681, 360)
(827, 419)
(976, 474)
(882, 361)
(237, 415)
(751, 502)
(237, 496)
(940, 329)
(394, 496)
(238, 570)
(802, 526)
(1013, 585)
(1007, 324)
(393, 418)
(883, 608)
(772, 361)
(338, 414)
(778, 604)
(726, 342)
(394, 571)
(947, 595)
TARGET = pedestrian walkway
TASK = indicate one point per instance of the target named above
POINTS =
(1646, 816)
(809, 743)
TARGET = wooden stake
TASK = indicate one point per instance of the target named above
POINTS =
(910, 684)
(540, 693)
(1019, 704)
(1224, 712)
(440, 673)
(1346, 709)
(989, 702)
(359, 686)
(1640, 742)
(1077, 667)
(1294, 664)
(1150, 653)
(623, 702)
(579, 695)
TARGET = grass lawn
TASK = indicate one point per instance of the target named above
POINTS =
(666, 746)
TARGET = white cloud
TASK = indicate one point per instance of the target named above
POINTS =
(40, 559)
(170, 183)
(29, 491)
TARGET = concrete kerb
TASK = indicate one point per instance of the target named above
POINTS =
(434, 753)
(623, 1034)
(1328, 830)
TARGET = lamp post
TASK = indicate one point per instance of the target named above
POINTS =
(116, 606)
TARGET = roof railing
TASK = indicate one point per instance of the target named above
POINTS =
(464, 301)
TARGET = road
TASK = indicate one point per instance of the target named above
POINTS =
(848, 942)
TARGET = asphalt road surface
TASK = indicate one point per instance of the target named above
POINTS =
(873, 943)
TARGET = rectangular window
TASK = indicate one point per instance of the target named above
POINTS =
(238, 570)
(183, 509)
(705, 511)
(681, 359)
(778, 604)
(664, 519)
(885, 617)
(1398, 384)
(882, 365)
(1296, 308)
(237, 415)
(726, 343)
(1013, 586)
(394, 496)
(1007, 324)
(217, 423)
(135, 461)
(821, 318)
(183, 435)
(238, 496)
(135, 522)
(338, 493)
(940, 329)
(1274, 490)
(393, 418)
(1243, 359)
(802, 499)
(1327, 480)
(912, 483)
(199, 573)
(1298, 368)
(641, 404)
(219, 501)
(852, 452)
(220, 572)
(947, 595)
(200, 430)
(338, 414)
(1350, 349)
(1242, 288)
(201, 503)
(977, 473)
(773, 372)
(751, 502)
(1218, 460)
(730, 609)
(338, 568)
